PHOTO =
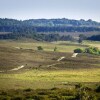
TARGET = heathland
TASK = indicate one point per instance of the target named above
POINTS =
(37, 59)
(24, 67)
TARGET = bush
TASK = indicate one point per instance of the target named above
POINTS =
(28, 90)
(78, 50)
(55, 49)
(98, 89)
(39, 48)
(5, 98)
(77, 86)
(92, 50)
(89, 50)
(18, 98)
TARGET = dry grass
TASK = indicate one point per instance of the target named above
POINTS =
(92, 43)
(48, 79)
(46, 46)
(36, 74)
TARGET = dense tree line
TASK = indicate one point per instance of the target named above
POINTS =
(39, 37)
(53, 37)
(61, 22)
(66, 29)
(31, 28)
(94, 38)
(48, 25)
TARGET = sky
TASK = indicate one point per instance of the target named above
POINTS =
(35, 9)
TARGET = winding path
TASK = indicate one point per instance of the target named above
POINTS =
(61, 58)
(22, 66)
(75, 54)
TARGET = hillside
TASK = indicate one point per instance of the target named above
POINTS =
(30, 28)
(12, 25)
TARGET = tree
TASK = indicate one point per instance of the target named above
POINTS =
(80, 40)
(55, 49)
(94, 38)
(78, 50)
(39, 48)
(92, 50)
(98, 89)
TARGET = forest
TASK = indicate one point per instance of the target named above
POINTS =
(30, 28)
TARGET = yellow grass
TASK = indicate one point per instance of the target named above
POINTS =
(47, 79)
(46, 46)
(93, 43)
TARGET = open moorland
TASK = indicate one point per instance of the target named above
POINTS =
(24, 67)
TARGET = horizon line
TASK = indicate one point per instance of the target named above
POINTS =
(48, 18)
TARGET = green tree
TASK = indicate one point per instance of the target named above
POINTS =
(39, 48)
(92, 50)
(78, 50)
(55, 49)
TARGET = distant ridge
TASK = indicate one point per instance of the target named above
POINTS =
(14, 29)
(48, 25)
(52, 22)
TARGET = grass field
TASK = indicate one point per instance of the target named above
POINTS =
(68, 47)
(37, 73)
(92, 43)
(48, 79)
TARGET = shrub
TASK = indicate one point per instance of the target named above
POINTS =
(5, 98)
(78, 50)
(18, 98)
(55, 97)
(89, 50)
(98, 89)
(92, 50)
(80, 41)
(79, 85)
(55, 49)
(39, 48)
(68, 98)
(28, 90)
(38, 97)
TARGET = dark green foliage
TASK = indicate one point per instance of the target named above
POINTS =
(78, 50)
(39, 48)
(55, 49)
(85, 93)
(94, 38)
(98, 89)
(27, 90)
(77, 86)
(52, 37)
(18, 98)
(29, 28)
(81, 38)
(92, 50)
(5, 98)
(79, 93)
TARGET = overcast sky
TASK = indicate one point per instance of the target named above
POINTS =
(30, 9)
